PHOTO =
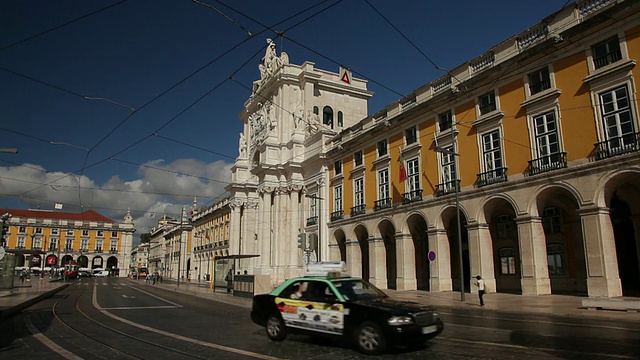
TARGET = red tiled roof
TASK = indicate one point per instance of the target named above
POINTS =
(90, 215)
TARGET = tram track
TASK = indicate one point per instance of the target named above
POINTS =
(75, 327)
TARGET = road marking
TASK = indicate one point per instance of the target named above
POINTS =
(128, 297)
(489, 343)
(179, 337)
(48, 343)
(543, 322)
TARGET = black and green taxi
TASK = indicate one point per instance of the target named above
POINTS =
(351, 308)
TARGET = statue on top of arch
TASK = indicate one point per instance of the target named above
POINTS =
(271, 62)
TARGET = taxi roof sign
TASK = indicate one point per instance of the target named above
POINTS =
(329, 269)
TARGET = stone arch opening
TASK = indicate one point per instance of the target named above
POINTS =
(417, 227)
(388, 235)
(500, 216)
(341, 239)
(622, 195)
(450, 221)
(562, 227)
(362, 235)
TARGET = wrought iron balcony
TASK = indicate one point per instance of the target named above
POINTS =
(113, 251)
(312, 220)
(548, 163)
(618, 146)
(382, 204)
(337, 215)
(358, 210)
(447, 187)
(487, 108)
(540, 86)
(492, 177)
(412, 196)
(98, 249)
(607, 59)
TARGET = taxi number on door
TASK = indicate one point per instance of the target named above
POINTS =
(429, 329)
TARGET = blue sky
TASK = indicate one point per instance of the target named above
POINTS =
(171, 61)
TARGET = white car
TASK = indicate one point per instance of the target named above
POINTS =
(103, 273)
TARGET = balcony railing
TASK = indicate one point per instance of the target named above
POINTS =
(337, 215)
(618, 146)
(447, 187)
(487, 108)
(548, 163)
(412, 196)
(312, 220)
(607, 59)
(382, 204)
(492, 177)
(358, 210)
(113, 251)
(540, 86)
(98, 249)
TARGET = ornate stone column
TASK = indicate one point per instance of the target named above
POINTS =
(603, 279)
(406, 262)
(481, 256)
(265, 227)
(294, 258)
(441, 267)
(533, 255)
(235, 233)
(377, 263)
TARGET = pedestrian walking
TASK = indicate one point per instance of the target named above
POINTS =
(229, 280)
(480, 284)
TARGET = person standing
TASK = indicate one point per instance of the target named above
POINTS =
(480, 284)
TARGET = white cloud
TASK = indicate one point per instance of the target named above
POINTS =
(162, 188)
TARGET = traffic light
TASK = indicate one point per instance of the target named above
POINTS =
(313, 242)
(302, 241)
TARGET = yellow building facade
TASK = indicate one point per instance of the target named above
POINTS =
(535, 142)
(49, 239)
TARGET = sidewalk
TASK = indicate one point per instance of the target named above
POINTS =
(28, 293)
(561, 305)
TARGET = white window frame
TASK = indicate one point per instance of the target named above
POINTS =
(84, 245)
(337, 198)
(488, 154)
(544, 149)
(448, 176)
(447, 114)
(413, 131)
(358, 191)
(615, 113)
(358, 158)
(494, 96)
(413, 174)
(382, 148)
(384, 189)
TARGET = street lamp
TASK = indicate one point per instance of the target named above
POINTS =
(455, 184)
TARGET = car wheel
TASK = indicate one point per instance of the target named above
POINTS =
(275, 328)
(369, 339)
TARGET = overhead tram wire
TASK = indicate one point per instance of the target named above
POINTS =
(62, 25)
(193, 146)
(225, 16)
(147, 103)
(411, 42)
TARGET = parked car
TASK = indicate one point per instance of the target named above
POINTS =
(103, 273)
(332, 303)
(84, 274)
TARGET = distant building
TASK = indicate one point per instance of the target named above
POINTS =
(42, 238)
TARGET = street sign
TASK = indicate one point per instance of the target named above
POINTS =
(432, 256)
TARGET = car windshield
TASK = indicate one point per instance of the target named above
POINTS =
(358, 289)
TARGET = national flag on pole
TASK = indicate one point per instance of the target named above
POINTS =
(403, 171)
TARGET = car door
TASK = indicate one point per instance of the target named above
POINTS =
(324, 312)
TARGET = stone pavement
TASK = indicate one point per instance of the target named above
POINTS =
(28, 293)
(561, 305)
